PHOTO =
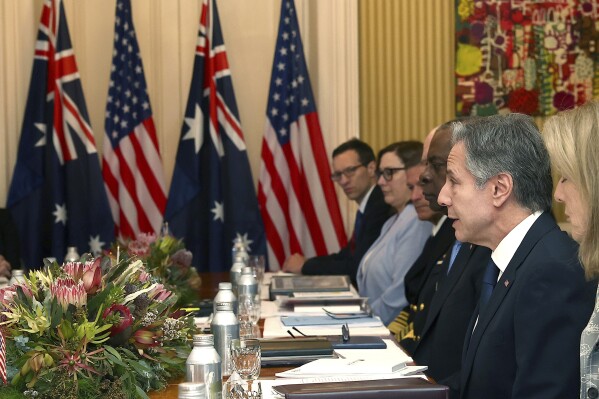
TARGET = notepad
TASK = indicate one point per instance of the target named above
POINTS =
(290, 321)
(349, 366)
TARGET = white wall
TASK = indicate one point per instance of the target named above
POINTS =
(167, 32)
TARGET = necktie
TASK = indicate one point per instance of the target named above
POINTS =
(454, 253)
(358, 224)
(357, 228)
(488, 283)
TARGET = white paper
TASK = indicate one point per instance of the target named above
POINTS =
(273, 328)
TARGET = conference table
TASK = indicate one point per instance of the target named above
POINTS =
(208, 290)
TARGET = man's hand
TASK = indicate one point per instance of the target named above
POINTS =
(294, 264)
(4, 267)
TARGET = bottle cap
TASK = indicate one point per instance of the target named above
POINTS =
(192, 389)
(225, 286)
(203, 339)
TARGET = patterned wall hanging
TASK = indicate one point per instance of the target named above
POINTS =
(530, 56)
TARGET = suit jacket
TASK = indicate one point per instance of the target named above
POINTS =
(526, 341)
(441, 338)
(346, 261)
(427, 266)
(9, 239)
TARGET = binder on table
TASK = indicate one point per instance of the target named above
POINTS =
(412, 388)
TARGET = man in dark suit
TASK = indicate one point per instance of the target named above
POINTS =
(447, 298)
(354, 170)
(523, 339)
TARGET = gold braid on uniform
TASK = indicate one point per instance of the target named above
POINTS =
(402, 327)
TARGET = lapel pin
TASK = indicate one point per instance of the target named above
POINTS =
(506, 283)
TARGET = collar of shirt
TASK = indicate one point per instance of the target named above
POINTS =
(362, 207)
(506, 249)
(437, 227)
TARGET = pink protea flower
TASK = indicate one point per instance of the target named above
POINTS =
(159, 293)
(144, 276)
(139, 248)
(146, 238)
(74, 269)
(68, 292)
(92, 276)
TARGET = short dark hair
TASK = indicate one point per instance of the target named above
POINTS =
(410, 152)
(509, 144)
(364, 151)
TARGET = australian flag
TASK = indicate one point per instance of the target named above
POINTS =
(212, 199)
(57, 195)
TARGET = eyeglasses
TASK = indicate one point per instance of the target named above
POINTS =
(347, 172)
(388, 173)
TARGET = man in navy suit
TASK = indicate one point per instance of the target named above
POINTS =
(354, 170)
(442, 308)
(523, 339)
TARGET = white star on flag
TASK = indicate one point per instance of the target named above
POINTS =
(195, 128)
(42, 128)
(95, 245)
(60, 213)
(218, 210)
(245, 240)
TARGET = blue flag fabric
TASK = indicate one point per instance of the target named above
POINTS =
(212, 199)
(57, 197)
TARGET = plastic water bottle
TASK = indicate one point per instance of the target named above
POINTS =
(225, 294)
(204, 365)
(225, 328)
(17, 276)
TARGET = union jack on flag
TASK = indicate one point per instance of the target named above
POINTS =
(56, 195)
(132, 164)
(212, 198)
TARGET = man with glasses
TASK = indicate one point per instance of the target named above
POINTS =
(354, 170)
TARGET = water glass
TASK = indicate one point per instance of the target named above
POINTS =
(258, 263)
(241, 389)
(246, 358)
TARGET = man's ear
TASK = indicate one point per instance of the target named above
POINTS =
(371, 167)
(502, 187)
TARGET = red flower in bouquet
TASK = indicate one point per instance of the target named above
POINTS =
(89, 272)
(126, 320)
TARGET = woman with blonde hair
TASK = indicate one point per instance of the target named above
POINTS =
(572, 138)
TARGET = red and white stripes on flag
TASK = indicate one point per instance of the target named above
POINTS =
(296, 195)
(132, 164)
(2, 358)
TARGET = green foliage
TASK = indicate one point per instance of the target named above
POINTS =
(59, 321)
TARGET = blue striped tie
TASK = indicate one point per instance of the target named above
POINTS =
(488, 283)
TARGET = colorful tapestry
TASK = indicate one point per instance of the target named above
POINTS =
(530, 56)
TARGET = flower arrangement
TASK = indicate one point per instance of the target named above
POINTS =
(89, 329)
(166, 258)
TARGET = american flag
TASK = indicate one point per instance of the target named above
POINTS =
(56, 196)
(2, 358)
(297, 199)
(132, 165)
(212, 199)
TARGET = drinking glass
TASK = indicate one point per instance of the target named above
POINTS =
(258, 263)
(245, 357)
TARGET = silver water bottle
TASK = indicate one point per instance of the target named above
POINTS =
(204, 365)
(238, 265)
(225, 294)
(192, 390)
(225, 328)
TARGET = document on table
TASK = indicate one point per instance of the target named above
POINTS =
(273, 328)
